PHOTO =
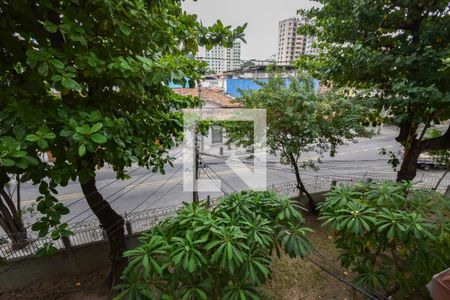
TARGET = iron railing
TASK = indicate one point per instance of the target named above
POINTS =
(90, 231)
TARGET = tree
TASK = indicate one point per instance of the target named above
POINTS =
(14, 159)
(394, 54)
(88, 81)
(441, 158)
(219, 253)
(300, 120)
(386, 231)
(11, 220)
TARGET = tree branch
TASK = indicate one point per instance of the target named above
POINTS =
(442, 142)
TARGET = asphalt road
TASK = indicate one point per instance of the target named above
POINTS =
(152, 190)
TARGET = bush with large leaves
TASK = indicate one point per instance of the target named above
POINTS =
(395, 237)
(224, 252)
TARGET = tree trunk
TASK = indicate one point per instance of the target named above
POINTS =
(413, 147)
(442, 178)
(301, 187)
(408, 169)
(113, 224)
(11, 221)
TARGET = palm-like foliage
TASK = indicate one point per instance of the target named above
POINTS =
(393, 236)
(223, 253)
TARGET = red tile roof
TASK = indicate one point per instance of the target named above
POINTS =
(210, 95)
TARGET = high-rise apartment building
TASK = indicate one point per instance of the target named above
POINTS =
(221, 59)
(291, 44)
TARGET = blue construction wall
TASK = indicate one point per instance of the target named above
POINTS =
(234, 85)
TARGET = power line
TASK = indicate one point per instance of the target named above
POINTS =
(223, 180)
(101, 188)
(149, 175)
(154, 192)
(215, 183)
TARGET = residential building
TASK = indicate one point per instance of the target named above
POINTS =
(215, 142)
(221, 59)
(292, 45)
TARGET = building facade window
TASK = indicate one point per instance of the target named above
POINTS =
(216, 135)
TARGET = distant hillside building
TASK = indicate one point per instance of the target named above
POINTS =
(221, 59)
(291, 44)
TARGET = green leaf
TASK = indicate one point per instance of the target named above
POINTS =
(81, 150)
(7, 162)
(19, 154)
(59, 65)
(69, 83)
(99, 138)
(50, 27)
(32, 138)
(43, 144)
(43, 69)
(124, 29)
(96, 127)
(66, 132)
(49, 136)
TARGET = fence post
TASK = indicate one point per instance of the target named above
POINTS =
(447, 191)
(70, 254)
(208, 201)
(333, 182)
(66, 242)
(129, 229)
(104, 234)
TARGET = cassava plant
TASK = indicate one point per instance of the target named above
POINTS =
(219, 253)
(394, 236)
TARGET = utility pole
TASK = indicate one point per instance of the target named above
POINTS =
(196, 157)
(195, 197)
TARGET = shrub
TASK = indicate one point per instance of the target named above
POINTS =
(393, 236)
(219, 253)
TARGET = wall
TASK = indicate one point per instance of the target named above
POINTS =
(21, 273)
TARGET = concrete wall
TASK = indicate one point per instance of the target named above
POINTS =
(21, 273)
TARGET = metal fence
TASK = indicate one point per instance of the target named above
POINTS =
(90, 231)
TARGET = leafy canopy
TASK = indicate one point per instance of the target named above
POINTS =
(223, 253)
(88, 81)
(300, 119)
(394, 54)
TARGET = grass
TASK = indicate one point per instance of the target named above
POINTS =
(296, 278)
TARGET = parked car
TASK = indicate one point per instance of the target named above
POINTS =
(426, 162)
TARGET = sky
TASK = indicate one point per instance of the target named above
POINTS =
(262, 17)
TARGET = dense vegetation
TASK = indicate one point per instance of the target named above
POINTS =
(393, 55)
(88, 81)
(395, 237)
(219, 253)
(299, 120)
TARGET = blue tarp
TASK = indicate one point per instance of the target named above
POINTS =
(234, 85)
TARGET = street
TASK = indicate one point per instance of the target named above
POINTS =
(152, 190)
